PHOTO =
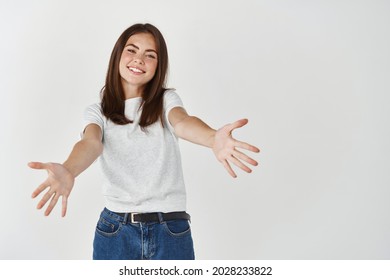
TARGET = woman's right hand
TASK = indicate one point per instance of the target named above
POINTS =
(60, 183)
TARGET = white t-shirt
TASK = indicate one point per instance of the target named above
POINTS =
(142, 171)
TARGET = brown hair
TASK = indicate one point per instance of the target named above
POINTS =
(113, 97)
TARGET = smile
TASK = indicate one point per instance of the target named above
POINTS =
(136, 70)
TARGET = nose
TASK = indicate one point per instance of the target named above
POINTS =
(138, 59)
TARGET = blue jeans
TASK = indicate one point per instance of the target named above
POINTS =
(165, 240)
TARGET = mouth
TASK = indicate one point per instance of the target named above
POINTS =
(136, 70)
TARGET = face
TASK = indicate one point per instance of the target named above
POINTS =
(138, 61)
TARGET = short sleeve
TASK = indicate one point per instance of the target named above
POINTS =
(171, 100)
(93, 114)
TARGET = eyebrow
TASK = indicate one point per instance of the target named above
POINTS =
(135, 46)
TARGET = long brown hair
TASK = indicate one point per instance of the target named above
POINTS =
(113, 96)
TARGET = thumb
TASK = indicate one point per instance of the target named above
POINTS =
(237, 124)
(37, 165)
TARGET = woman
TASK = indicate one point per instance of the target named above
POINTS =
(135, 130)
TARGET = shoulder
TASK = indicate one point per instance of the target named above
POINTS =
(171, 96)
(95, 108)
(170, 93)
(93, 113)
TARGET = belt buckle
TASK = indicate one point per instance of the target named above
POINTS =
(132, 218)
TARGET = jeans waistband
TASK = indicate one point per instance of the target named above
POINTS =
(135, 218)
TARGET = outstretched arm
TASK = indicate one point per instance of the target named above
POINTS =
(222, 143)
(60, 179)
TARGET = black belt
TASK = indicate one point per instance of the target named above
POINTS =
(153, 217)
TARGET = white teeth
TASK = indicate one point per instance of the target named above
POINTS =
(136, 70)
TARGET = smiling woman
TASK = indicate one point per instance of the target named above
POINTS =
(140, 47)
(138, 64)
(135, 130)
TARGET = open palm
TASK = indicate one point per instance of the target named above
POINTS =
(60, 183)
(225, 148)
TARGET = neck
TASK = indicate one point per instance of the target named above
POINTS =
(132, 91)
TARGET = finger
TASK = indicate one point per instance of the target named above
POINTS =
(41, 188)
(240, 164)
(64, 205)
(238, 124)
(45, 199)
(38, 165)
(244, 157)
(53, 203)
(229, 169)
(246, 146)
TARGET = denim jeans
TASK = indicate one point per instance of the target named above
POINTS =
(165, 240)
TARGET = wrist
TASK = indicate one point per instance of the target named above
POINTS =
(70, 170)
(211, 139)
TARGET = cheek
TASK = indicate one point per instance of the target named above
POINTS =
(124, 60)
(153, 67)
(122, 68)
(121, 64)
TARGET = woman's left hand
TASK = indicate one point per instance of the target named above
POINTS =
(225, 148)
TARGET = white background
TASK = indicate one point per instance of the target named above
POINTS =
(312, 77)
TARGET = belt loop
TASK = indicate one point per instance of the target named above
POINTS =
(125, 218)
(160, 217)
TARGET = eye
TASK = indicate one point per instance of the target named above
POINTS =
(131, 50)
(152, 56)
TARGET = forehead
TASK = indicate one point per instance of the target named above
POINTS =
(142, 40)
